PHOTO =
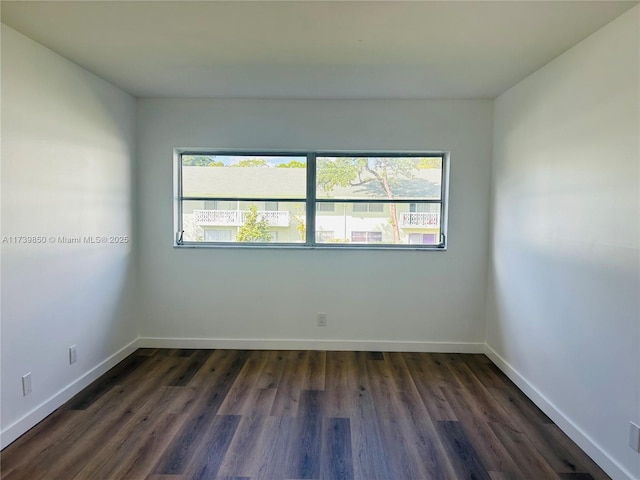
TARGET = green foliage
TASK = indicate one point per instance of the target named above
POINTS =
(344, 172)
(341, 172)
(292, 164)
(386, 172)
(425, 163)
(254, 229)
(301, 228)
(200, 161)
(251, 162)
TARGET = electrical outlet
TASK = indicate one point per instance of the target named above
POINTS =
(322, 319)
(26, 384)
(634, 437)
(73, 354)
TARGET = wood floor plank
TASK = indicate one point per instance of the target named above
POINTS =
(240, 396)
(315, 373)
(412, 454)
(531, 420)
(146, 352)
(484, 402)
(115, 376)
(369, 455)
(147, 453)
(185, 444)
(185, 414)
(245, 445)
(285, 403)
(576, 476)
(39, 439)
(336, 462)
(27, 473)
(466, 461)
(268, 460)
(111, 411)
(342, 384)
(120, 450)
(303, 450)
(586, 466)
(272, 372)
(531, 464)
(488, 446)
(191, 364)
(213, 448)
(492, 379)
(428, 388)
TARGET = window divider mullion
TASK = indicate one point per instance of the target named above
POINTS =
(310, 228)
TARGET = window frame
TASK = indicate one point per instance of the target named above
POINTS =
(310, 201)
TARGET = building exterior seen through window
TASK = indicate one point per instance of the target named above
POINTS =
(312, 199)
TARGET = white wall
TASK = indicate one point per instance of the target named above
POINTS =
(370, 296)
(67, 151)
(563, 308)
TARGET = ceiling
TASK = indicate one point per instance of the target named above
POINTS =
(311, 49)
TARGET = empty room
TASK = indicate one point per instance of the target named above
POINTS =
(285, 240)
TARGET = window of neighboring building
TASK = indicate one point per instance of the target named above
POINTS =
(271, 206)
(368, 207)
(311, 199)
(325, 207)
(422, 239)
(366, 237)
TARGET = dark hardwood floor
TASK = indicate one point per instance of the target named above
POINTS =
(274, 415)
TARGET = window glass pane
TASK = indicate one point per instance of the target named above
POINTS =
(360, 207)
(247, 221)
(217, 235)
(325, 236)
(407, 178)
(396, 224)
(325, 207)
(244, 176)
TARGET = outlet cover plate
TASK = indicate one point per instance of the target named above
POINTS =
(26, 384)
(73, 354)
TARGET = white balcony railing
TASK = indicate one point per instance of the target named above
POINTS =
(238, 217)
(419, 220)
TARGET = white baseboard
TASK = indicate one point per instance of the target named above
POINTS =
(21, 426)
(586, 443)
(306, 344)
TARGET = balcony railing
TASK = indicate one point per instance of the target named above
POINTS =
(236, 218)
(419, 220)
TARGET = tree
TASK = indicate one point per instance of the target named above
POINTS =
(301, 227)
(425, 163)
(254, 229)
(386, 173)
(251, 162)
(200, 161)
(292, 164)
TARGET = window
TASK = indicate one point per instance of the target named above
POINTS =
(366, 237)
(311, 199)
(368, 207)
(325, 207)
(422, 238)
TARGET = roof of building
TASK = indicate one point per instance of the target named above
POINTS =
(257, 182)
